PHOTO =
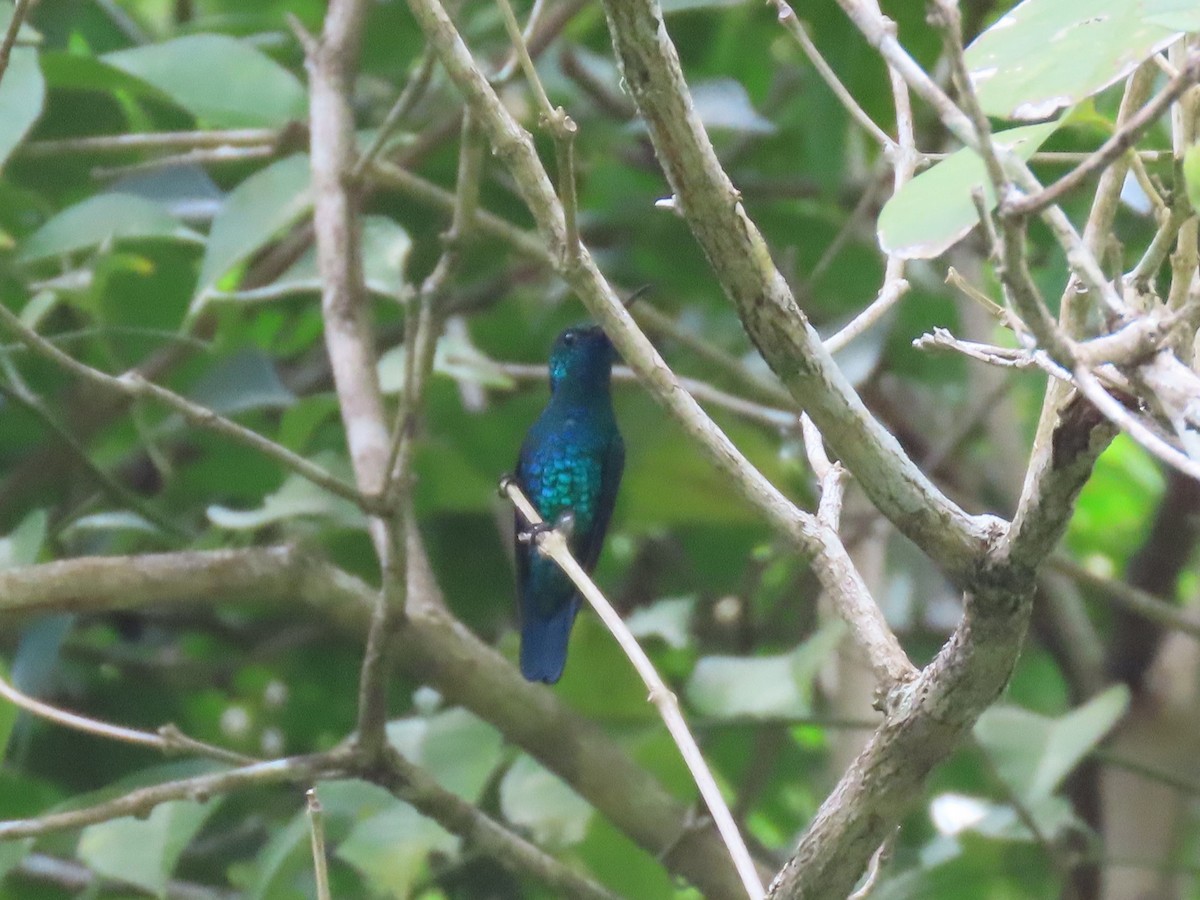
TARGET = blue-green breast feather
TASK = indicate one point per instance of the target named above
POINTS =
(570, 463)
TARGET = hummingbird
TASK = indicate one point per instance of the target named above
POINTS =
(569, 467)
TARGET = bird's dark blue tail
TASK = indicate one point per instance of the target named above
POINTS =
(544, 641)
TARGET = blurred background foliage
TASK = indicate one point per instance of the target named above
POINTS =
(200, 267)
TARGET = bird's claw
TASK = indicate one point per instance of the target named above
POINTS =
(564, 524)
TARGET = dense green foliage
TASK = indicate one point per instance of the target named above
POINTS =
(204, 271)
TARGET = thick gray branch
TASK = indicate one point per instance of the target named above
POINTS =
(741, 260)
(431, 647)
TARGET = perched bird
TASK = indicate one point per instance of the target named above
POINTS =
(569, 467)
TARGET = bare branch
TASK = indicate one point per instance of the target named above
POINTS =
(290, 770)
(553, 544)
(135, 386)
(169, 739)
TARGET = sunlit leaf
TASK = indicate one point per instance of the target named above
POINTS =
(296, 497)
(385, 248)
(540, 801)
(145, 851)
(390, 847)
(254, 212)
(22, 91)
(935, 210)
(102, 219)
(222, 81)
(762, 686)
(1034, 753)
(668, 619)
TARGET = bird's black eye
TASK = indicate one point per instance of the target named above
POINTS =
(569, 337)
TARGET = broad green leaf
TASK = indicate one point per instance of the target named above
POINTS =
(724, 104)
(285, 852)
(458, 748)
(22, 93)
(537, 800)
(11, 854)
(453, 357)
(296, 497)
(1179, 15)
(461, 751)
(254, 212)
(669, 619)
(8, 716)
(390, 848)
(935, 210)
(144, 852)
(385, 247)
(104, 219)
(762, 686)
(23, 545)
(1044, 55)
(222, 81)
(1191, 175)
(244, 381)
(1034, 753)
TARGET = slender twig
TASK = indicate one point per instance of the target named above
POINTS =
(553, 544)
(154, 140)
(20, 8)
(879, 859)
(413, 91)
(169, 739)
(789, 20)
(562, 129)
(200, 157)
(417, 787)
(1122, 139)
(1131, 598)
(701, 390)
(72, 876)
(135, 386)
(316, 826)
(140, 802)
(20, 394)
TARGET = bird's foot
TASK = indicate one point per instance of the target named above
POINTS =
(563, 524)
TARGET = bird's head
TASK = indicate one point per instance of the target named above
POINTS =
(581, 355)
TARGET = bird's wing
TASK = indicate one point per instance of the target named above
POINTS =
(611, 466)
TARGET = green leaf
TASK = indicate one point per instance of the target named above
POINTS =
(286, 852)
(1191, 175)
(296, 497)
(385, 248)
(723, 103)
(8, 717)
(23, 89)
(254, 212)
(390, 848)
(1044, 55)
(762, 686)
(1034, 753)
(110, 522)
(244, 381)
(222, 81)
(22, 94)
(669, 619)
(23, 545)
(144, 852)
(537, 800)
(934, 211)
(1179, 15)
(103, 219)
(455, 357)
